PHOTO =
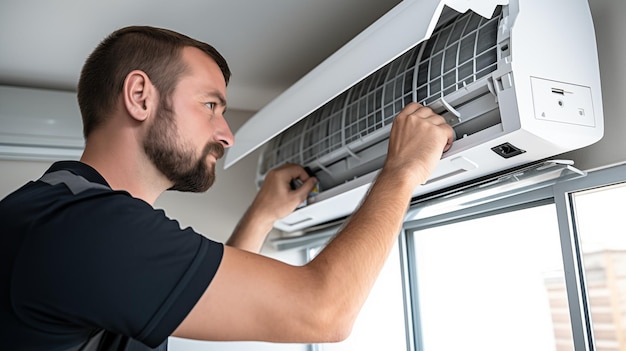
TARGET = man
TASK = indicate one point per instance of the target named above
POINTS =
(88, 264)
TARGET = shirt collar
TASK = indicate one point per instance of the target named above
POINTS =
(81, 169)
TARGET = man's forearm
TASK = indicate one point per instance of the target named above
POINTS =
(275, 200)
(250, 232)
(351, 262)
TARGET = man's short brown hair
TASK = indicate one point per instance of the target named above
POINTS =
(155, 51)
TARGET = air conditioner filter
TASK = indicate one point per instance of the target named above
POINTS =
(347, 136)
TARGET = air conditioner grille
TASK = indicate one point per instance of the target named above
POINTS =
(325, 131)
(457, 55)
(459, 52)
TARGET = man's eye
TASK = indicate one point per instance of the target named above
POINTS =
(210, 105)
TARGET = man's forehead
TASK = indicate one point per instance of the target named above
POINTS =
(200, 59)
(204, 71)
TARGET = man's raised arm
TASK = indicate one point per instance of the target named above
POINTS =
(275, 200)
(258, 298)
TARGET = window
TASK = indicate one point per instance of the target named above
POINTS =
(599, 216)
(540, 266)
(496, 282)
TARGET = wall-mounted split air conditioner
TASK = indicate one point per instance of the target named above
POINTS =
(37, 124)
(518, 81)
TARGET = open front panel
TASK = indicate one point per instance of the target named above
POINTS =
(449, 72)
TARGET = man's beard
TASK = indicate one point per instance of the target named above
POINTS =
(177, 161)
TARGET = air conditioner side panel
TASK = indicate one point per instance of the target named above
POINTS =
(555, 74)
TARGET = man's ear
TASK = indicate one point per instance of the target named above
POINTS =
(139, 95)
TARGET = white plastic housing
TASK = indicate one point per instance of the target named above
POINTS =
(546, 90)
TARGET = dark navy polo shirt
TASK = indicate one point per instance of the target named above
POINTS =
(72, 265)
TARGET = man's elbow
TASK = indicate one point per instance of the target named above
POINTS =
(331, 322)
(332, 330)
(330, 311)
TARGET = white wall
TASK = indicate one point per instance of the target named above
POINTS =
(608, 17)
(15, 173)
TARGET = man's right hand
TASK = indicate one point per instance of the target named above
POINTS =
(417, 140)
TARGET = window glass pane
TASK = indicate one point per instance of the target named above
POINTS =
(492, 283)
(380, 324)
(600, 227)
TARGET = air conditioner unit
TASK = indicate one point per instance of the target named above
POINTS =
(38, 124)
(518, 81)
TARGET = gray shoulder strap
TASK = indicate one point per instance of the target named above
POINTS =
(75, 183)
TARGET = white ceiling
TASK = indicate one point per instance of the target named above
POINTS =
(269, 44)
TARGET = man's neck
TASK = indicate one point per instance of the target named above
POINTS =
(125, 167)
